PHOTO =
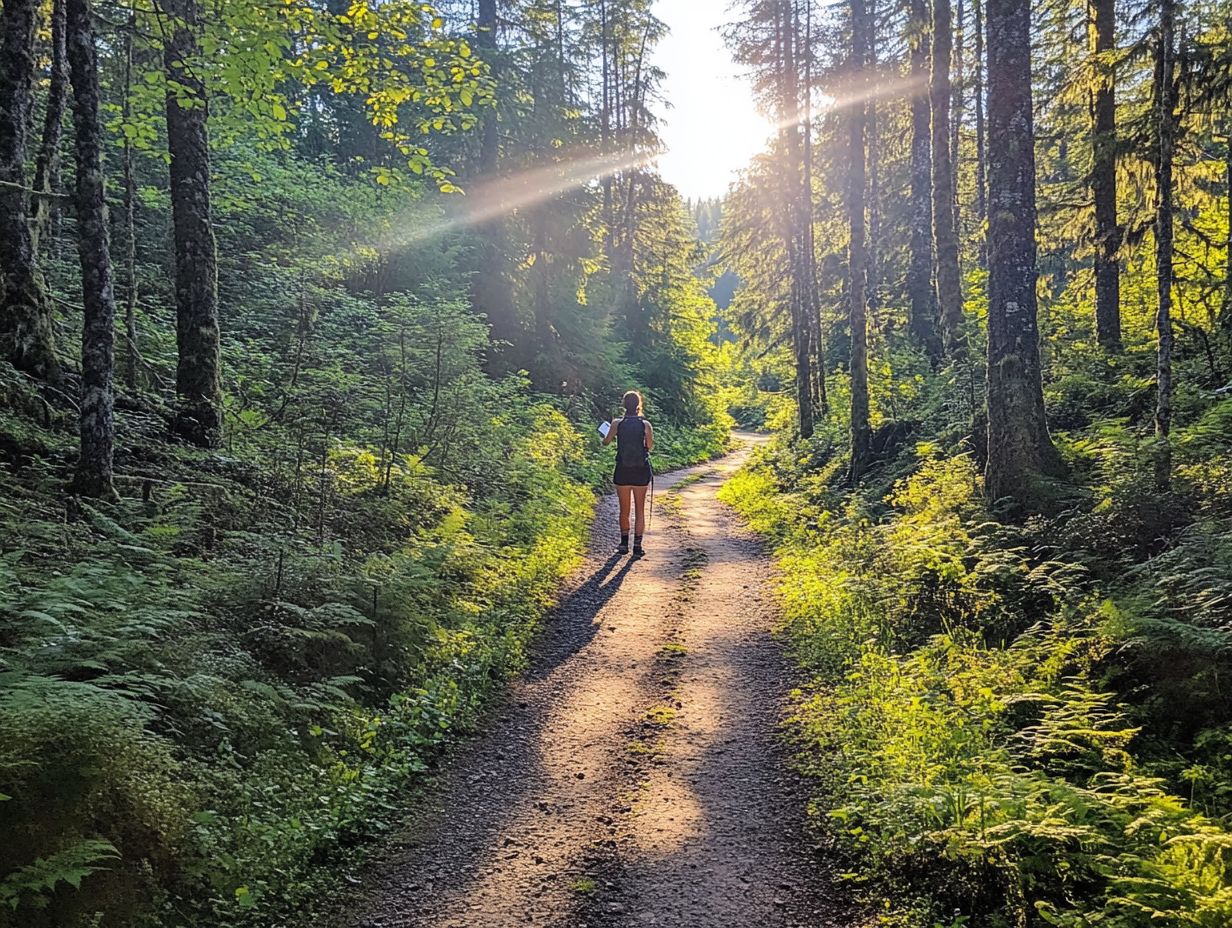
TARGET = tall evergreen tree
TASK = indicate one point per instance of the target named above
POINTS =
(981, 163)
(198, 377)
(1020, 450)
(857, 313)
(1165, 94)
(97, 418)
(47, 165)
(1102, 38)
(490, 290)
(922, 321)
(945, 235)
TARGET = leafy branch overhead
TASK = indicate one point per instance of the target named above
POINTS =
(266, 65)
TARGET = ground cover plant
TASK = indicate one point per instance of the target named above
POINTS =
(295, 511)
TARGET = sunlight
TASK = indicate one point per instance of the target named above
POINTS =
(486, 200)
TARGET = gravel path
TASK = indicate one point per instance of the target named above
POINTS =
(634, 777)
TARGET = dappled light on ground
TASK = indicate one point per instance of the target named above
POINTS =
(636, 778)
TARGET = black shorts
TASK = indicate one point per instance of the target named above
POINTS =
(636, 476)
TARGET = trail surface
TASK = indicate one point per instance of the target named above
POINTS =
(634, 777)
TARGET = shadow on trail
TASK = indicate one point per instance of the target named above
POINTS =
(573, 624)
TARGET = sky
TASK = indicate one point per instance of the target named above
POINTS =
(712, 128)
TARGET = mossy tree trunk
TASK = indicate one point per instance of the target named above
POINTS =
(47, 164)
(197, 376)
(97, 420)
(26, 333)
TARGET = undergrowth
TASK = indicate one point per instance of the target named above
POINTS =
(216, 691)
(1014, 725)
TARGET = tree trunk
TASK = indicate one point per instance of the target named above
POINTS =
(605, 126)
(47, 166)
(98, 333)
(945, 236)
(981, 145)
(872, 174)
(132, 348)
(485, 40)
(1102, 34)
(920, 292)
(489, 284)
(26, 333)
(794, 215)
(197, 375)
(1226, 318)
(959, 102)
(1019, 446)
(1166, 128)
(812, 307)
(857, 296)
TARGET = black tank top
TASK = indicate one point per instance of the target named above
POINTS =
(631, 442)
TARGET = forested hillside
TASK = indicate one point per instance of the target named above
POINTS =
(987, 258)
(309, 313)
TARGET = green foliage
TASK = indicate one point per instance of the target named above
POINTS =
(966, 726)
(70, 866)
(218, 689)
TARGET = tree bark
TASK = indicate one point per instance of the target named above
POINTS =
(981, 145)
(959, 101)
(856, 290)
(872, 175)
(1102, 37)
(490, 291)
(945, 236)
(794, 215)
(97, 421)
(132, 348)
(812, 307)
(47, 165)
(197, 377)
(922, 323)
(1226, 315)
(485, 40)
(1165, 90)
(1020, 449)
(26, 333)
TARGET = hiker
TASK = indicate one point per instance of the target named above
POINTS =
(634, 442)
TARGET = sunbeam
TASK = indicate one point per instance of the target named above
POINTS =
(486, 200)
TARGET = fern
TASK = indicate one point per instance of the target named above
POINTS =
(33, 884)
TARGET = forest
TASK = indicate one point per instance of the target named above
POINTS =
(310, 309)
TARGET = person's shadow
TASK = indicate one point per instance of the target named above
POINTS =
(571, 625)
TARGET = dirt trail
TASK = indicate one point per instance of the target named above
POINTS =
(633, 778)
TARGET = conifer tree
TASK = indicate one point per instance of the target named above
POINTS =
(1020, 450)
(97, 417)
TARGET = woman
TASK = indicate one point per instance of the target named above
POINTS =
(634, 442)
